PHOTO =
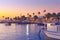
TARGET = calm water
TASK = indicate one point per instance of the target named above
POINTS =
(21, 32)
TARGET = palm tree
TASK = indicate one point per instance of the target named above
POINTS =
(33, 14)
(28, 14)
(23, 17)
(3, 17)
(35, 17)
(48, 15)
(15, 18)
(58, 15)
(39, 14)
(53, 14)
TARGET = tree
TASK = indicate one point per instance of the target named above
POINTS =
(33, 14)
(39, 14)
(58, 15)
(28, 14)
(35, 17)
(3, 16)
(48, 15)
(23, 17)
(53, 14)
(44, 11)
(15, 18)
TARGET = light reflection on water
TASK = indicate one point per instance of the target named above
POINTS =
(18, 32)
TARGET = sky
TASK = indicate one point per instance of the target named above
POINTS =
(12, 8)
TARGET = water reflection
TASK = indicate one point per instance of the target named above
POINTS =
(18, 32)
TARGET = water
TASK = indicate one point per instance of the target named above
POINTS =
(22, 32)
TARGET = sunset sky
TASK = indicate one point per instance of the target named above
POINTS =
(13, 8)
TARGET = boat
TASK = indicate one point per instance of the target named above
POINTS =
(25, 22)
(40, 24)
(8, 22)
(53, 30)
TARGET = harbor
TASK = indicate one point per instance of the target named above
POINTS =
(45, 27)
(31, 28)
(29, 19)
(23, 32)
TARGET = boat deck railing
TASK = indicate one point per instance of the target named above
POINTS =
(53, 28)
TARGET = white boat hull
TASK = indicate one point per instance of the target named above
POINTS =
(53, 31)
(53, 34)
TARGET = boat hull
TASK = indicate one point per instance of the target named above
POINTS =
(55, 35)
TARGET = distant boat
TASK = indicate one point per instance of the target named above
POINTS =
(40, 24)
(25, 23)
(53, 30)
(7, 24)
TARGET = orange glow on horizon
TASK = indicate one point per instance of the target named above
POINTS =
(16, 11)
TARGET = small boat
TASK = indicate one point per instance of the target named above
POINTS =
(40, 24)
(53, 30)
(8, 23)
